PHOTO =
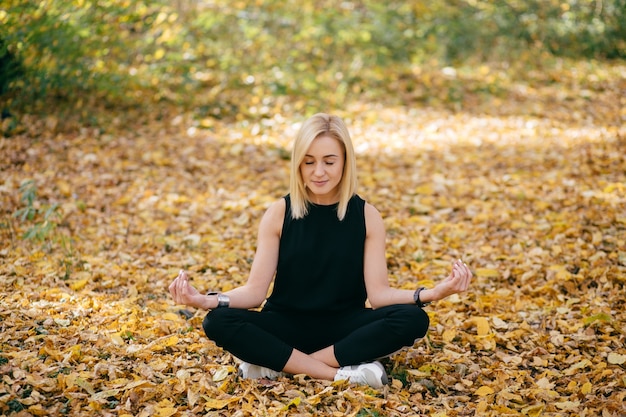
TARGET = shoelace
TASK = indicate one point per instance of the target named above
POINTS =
(353, 376)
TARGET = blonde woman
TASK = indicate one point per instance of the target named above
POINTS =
(324, 248)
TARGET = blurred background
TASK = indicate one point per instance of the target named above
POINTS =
(223, 59)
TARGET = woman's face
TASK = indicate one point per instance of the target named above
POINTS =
(322, 170)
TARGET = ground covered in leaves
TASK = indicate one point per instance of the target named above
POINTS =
(529, 189)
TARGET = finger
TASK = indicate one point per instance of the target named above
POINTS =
(468, 277)
(174, 291)
(180, 285)
(468, 272)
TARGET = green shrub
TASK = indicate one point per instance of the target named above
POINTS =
(225, 57)
(41, 220)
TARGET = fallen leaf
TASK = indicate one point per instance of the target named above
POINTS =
(616, 358)
(487, 273)
(568, 405)
(482, 326)
(222, 373)
(483, 391)
(215, 404)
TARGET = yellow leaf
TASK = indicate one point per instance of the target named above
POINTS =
(79, 285)
(586, 388)
(163, 343)
(117, 339)
(424, 189)
(159, 53)
(418, 373)
(616, 358)
(215, 404)
(64, 188)
(192, 397)
(171, 316)
(484, 391)
(563, 275)
(487, 273)
(482, 326)
(125, 199)
(449, 335)
(575, 367)
(533, 410)
(431, 368)
(166, 411)
(295, 401)
(102, 395)
(171, 341)
(139, 383)
(72, 353)
(481, 407)
(568, 405)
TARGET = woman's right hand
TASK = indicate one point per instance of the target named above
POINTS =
(185, 293)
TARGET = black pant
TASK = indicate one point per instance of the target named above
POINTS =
(267, 338)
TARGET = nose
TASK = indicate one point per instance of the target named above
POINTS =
(319, 169)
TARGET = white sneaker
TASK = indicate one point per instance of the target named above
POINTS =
(250, 371)
(372, 374)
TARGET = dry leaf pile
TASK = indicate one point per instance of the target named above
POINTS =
(530, 192)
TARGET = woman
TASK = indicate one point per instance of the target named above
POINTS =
(324, 248)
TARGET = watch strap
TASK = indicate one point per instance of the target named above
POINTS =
(416, 297)
(222, 299)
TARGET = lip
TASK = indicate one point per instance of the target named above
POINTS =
(320, 183)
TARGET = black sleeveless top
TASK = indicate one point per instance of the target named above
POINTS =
(320, 260)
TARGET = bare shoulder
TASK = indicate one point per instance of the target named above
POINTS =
(274, 216)
(373, 220)
(277, 208)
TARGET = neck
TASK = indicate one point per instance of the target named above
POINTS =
(323, 200)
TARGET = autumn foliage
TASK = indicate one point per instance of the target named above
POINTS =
(517, 168)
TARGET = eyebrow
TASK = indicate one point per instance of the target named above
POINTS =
(325, 156)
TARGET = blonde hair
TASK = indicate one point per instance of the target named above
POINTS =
(321, 124)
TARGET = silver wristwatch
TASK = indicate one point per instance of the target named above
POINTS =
(222, 299)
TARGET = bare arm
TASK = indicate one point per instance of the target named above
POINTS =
(379, 292)
(253, 293)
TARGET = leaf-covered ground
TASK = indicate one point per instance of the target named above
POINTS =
(529, 189)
